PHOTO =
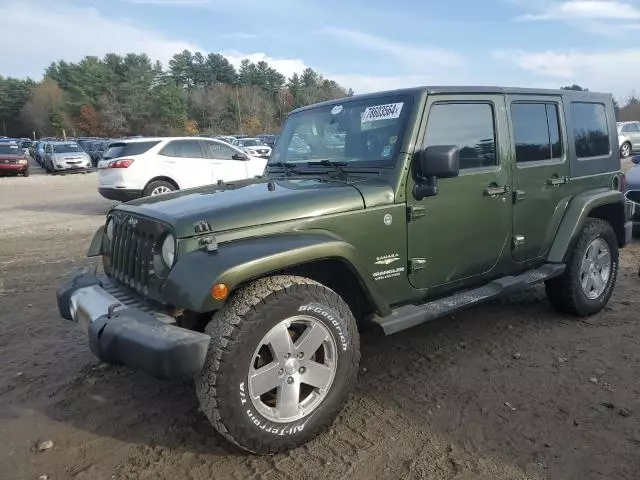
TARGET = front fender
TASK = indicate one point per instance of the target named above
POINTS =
(189, 284)
(573, 220)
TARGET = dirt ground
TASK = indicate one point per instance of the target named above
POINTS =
(508, 390)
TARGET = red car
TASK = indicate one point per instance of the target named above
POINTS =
(13, 160)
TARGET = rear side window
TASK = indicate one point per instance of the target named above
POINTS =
(590, 131)
(536, 131)
(182, 148)
(469, 126)
(631, 128)
(125, 149)
(218, 150)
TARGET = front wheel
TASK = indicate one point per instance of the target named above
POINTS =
(587, 284)
(284, 354)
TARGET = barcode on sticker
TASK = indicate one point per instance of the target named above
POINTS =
(382, 112)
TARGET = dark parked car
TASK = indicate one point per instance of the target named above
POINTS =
(632, 191)
(268, 139)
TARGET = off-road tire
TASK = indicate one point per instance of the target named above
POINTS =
(155, 184)
(565, 292)
(236, 332)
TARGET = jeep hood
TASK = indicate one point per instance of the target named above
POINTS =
(257, 203)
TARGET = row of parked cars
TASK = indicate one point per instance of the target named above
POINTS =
(83, 154)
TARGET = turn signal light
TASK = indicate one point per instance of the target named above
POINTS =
(219, 291)
(120, 163)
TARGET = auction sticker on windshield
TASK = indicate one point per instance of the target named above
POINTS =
(382, 112)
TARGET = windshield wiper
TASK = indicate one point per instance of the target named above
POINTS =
(337, 166)
(288, 168)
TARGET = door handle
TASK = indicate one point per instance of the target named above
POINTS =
(555, 180)
(519, 195)
(496, 191)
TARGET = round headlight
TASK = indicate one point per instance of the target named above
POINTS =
(169, 250)
(109, 230)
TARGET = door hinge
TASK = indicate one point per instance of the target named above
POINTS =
(416, 264)
(415, 211)
(518, 241)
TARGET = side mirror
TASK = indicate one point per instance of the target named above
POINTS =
(439, 161)
(240, 156)
(636, 159)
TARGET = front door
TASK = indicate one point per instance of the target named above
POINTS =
(225, 167)
(463, 231)
(184, 161)
(541, 173)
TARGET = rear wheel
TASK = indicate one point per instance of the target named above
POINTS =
(26, 173)
(587, 284)
(158, 187)
(625, 150)
(284, 354)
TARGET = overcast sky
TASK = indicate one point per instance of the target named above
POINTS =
(363, 44)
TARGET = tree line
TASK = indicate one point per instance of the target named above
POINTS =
(132, 95)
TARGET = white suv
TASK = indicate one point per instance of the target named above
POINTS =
(143, 167)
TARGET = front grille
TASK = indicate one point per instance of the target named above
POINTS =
(131, 252)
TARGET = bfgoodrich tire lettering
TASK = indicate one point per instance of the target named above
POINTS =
(566, 293)
(238, 330)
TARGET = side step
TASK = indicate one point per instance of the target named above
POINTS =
(412, 315)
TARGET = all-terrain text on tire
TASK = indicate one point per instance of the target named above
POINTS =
(372, 211)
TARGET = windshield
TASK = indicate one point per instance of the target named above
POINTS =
(251, 142)
(10, 149)
(360, 133)
(67, 148)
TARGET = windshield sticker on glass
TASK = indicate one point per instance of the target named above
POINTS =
(382, 112)
(336, 110)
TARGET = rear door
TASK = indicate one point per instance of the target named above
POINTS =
(184, 161)
(224, 166)
(541, 173)
(632, 131)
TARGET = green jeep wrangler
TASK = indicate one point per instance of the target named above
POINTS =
(394, 208)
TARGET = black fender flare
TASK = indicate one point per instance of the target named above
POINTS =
(579, 208)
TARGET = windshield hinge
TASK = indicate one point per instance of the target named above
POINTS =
(416, 264)
(415, 211)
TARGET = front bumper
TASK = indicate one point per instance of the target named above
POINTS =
(124, 331)
(13, 168)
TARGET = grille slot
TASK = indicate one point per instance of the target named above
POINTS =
(132, 253)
